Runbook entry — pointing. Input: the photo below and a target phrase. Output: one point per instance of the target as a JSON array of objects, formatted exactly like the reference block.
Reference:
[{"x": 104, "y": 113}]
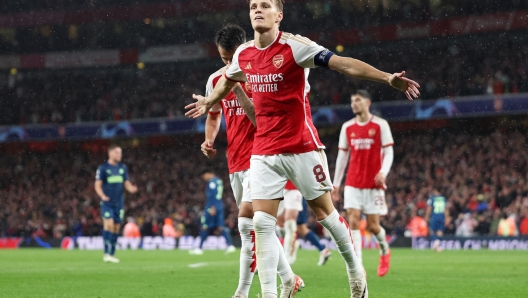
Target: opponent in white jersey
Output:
[
  {"x": 286, "y": 146},
  {"x": 368, "y": 140}
]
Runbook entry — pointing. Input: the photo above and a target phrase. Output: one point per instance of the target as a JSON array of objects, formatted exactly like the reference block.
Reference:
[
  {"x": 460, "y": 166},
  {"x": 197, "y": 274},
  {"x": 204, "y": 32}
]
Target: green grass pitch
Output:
[{"x": 57, "y": 273}]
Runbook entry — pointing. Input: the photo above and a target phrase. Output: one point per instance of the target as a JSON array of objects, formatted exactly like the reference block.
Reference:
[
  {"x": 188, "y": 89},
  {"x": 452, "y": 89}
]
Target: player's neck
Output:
[
  {"x": 364, "y": 117},
  {"x": 264, "y": 39},
  {"x": 111, "y": 162}
]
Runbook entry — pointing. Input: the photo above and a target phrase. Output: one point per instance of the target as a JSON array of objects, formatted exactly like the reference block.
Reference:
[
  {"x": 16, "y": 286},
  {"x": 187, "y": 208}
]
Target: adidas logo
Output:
[{"x": 249, "y": 66}]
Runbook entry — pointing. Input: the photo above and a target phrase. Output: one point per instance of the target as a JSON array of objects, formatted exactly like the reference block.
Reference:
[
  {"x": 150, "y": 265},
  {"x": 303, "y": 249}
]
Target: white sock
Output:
[
  {"x": 280, "y": 231},
  {"x": 382, "y": 241},
  {"x": 338, "y": 228},
  {"x": 248, "y": 258},
  {"x": 268, "y": 248},
  {"x": 283, "y": 268},
  {"x": 358, "y": 244},
  {"x": 290, "y": 226}
]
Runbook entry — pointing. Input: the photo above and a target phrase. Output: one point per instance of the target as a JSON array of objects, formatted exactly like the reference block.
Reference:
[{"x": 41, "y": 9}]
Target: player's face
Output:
[
  {"x": 226, "y": 56},
  {"x": 264, "y": 15},
  {"x": 115, "y": 154},
  {"x": 359, "y": 104}
]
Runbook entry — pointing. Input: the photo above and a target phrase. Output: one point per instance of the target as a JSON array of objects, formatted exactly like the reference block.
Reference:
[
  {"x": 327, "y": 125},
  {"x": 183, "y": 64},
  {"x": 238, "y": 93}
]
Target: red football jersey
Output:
[
  {"x": 290, "y": 186},
  {"x": 240, "y": 130},
  {"x": 278, "y": 77},
  {"x": 365, "y": 142}
]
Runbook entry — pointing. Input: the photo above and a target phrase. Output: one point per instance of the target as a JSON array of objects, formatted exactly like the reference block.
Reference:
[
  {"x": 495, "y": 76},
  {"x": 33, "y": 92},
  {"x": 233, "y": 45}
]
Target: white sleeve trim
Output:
[
  {"x": 304, "y": 50},
  {"x": 234, "y": 72},
  {"x": 341, "y": 163},
  {"x": 388, "y": 158}
]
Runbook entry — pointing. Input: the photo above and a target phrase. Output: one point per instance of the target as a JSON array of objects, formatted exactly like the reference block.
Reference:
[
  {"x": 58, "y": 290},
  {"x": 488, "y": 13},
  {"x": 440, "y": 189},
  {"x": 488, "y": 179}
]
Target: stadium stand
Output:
[
  {"x": 475, "y": 66},
  {"x": 483, "y": 175}
]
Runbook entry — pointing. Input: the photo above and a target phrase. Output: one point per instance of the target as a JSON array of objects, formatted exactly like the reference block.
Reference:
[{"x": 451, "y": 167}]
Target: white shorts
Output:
[
  {"x": 369, "y": 201},
  {"x": 240, "y": 186},
  {"x": 292, "y": 201},
  {"x": 308, "y": 171}
]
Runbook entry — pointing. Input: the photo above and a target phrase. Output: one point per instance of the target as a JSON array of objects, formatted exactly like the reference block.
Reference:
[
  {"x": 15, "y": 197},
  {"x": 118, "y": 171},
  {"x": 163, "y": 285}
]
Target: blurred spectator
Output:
[
  {"x": 169, "y": 230},
  {"x": 483, "y": 225},
  {"x": 417, "y": 225},
  {"x": 523, "y": 228},
  {"x": 507, "y": 226},
  {"x": 131, "y": 229},
  {"x": 465, "y": 225}
]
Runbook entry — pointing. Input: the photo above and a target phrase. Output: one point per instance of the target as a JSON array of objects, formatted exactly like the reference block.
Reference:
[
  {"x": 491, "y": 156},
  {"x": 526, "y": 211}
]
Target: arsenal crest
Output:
[
  {"x": 278, "y": 60},
  {"x": 248, "y": 87},
  {"x": 372, "y": 132}
]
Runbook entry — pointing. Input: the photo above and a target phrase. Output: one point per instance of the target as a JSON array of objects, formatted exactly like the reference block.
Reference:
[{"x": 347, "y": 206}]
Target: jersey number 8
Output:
[{"x": 319, "y": 173}]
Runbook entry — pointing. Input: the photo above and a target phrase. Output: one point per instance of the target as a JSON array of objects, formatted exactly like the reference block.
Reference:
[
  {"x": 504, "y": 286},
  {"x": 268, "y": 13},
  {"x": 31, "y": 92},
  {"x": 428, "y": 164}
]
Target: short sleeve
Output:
[
  {"x": 430, "y": 202},
  {"x": 343, "y": 140},
  {"x": 304, "y": 50},
  {"x": 234, "y": 72},
  {"x": 125, "y": 175},
  {"x": 211, "y": 82},
  {"x": 386, "y": 134},
  {"x": 99, "y": 173}
]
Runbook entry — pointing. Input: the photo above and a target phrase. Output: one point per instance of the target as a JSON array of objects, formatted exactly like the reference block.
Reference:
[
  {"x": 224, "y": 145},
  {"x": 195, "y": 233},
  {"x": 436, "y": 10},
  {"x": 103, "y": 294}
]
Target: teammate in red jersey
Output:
[
  {"x": 368, "y": 140},
  {"x": 240, "y": 134},
  {"x": 286, "y": 145}
]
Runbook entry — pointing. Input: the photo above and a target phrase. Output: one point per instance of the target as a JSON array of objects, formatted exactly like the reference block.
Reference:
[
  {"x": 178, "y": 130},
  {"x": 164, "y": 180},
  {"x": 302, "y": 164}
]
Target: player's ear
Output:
[{"x": 280, "y": 16}]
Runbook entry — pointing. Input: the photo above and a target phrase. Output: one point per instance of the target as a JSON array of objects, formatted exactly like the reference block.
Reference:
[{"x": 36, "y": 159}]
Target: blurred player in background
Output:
[
  {"x": 435, "y": 215},
  {"x": 289, "y": 209},
  {"x": 286, "y": 145},
  {"x": 213, "y": 217},
  {"x": 367, "y": 139},
  {"x": 110, "y": 181},
  {"x": 292, "y": 219},
  {"x": 240, "y": 133}
]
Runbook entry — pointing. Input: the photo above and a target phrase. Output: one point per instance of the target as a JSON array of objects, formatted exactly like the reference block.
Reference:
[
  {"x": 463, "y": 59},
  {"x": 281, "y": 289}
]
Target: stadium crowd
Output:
[
  {"x": 484, "y": 178},
  {"x": 188, "y": 28},
  {"x": 470, "y": 67}
]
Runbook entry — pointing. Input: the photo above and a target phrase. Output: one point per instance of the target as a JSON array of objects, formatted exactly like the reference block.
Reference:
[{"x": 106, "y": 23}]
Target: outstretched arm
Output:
[
  {"x": 361, "y": 70},
  {"x": 204, "y": 104},
  {"x": 246, "y": 103}
]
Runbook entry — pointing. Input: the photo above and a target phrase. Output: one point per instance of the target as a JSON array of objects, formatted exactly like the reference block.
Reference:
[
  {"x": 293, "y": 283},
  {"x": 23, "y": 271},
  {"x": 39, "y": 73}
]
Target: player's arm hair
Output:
[
  {"x": 246, "y": 103},
  {"x": 222, "y": 88},
  {"x": 341, "y": 163},
  {"x": 357, "y": 69},
  {"x": 99, "y": 188},
  {"x": 388, "y": 158},
  {"x": 212, "y": 126},
  {"x": 128, "y": 185}
]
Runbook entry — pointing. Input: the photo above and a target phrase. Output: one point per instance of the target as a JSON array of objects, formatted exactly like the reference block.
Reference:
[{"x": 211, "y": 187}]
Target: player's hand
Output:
[
  {"x": 207, "y": 149},
  {"x": 105, "y": 199},
  {"x": 379, "y": 179},
  {"x": 405, "y": 85},
  {"x": 198, "y": 108},
  {"x": 133, "y": 188},
  {"x": 212, "y": 211},
  {"x": 336, "y": 194}
]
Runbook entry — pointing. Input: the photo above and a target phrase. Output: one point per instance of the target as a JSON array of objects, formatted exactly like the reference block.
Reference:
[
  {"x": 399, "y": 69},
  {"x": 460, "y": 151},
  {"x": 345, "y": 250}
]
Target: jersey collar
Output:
[
  {"x": 276, "y": 38},
  {"x": 364, "y": 123}
]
